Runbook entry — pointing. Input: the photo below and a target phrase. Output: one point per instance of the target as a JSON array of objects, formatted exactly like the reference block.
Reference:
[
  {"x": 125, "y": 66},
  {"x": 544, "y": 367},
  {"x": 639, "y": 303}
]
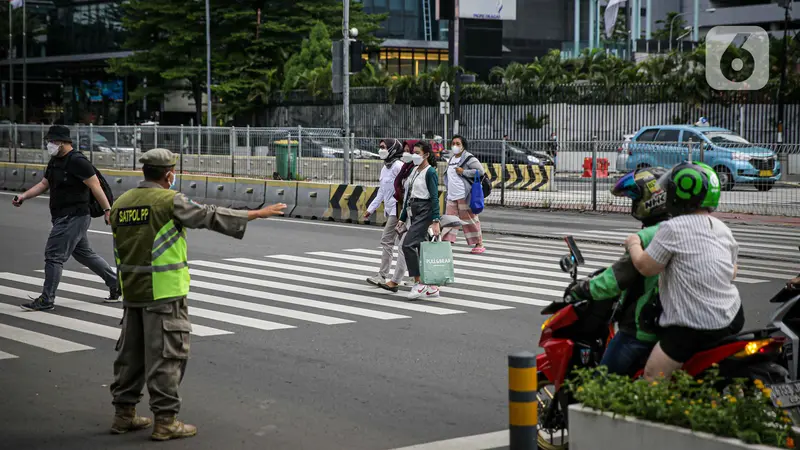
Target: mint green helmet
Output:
[{"x": 691, "y": 186}]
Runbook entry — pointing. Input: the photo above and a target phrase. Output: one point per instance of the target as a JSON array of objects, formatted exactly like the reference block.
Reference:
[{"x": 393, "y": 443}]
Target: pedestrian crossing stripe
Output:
[{"x": 317, "y": 288}]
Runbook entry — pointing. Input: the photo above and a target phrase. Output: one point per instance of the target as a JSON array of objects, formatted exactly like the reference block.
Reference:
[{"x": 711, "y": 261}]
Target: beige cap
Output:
[{"x": 160, "y": 157}]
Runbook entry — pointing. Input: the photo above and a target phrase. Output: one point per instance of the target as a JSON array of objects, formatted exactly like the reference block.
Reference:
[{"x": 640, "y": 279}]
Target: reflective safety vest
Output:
[{"x": 150, "y": 249}]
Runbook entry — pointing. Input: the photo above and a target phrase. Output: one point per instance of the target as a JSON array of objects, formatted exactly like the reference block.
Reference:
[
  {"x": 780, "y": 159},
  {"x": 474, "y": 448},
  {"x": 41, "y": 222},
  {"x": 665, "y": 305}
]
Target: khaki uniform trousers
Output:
[{"x": 153, "y": 349}]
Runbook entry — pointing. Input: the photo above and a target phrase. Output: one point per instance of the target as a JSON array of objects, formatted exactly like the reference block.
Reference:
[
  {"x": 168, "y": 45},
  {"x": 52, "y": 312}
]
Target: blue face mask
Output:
[{"x": 174, "y": 181}]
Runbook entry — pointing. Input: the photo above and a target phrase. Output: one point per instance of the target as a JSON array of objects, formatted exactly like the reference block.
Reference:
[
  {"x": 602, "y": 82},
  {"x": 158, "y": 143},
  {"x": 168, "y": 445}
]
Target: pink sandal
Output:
[{"x": 478, "y": 250}]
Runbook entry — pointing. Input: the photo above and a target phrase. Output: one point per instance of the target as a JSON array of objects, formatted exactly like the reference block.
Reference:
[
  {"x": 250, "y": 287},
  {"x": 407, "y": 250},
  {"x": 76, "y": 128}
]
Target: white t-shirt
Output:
[{"x": 456, "y": 189}]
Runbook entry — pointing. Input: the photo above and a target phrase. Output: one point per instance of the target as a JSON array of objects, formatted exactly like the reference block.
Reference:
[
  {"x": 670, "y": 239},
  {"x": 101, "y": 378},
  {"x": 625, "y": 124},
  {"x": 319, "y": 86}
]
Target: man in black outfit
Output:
[{"x": 71, "y": 179}]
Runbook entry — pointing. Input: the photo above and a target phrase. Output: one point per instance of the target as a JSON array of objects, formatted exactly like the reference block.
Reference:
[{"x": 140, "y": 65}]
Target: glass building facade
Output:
[{"x": 409, "y": 48}]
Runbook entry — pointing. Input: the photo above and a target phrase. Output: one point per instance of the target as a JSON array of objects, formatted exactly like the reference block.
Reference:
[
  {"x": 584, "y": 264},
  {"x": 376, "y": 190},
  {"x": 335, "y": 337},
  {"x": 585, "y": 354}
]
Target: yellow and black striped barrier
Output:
[
  {"x": 520, "y": 177},
  {"x": 522, "y": 402}
]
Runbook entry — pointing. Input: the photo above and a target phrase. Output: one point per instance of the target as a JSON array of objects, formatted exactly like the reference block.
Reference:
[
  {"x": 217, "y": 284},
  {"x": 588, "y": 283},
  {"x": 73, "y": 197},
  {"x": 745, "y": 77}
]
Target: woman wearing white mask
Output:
[
  {"x": 461, "y": 171},
  {"x": 390, "y": 151},
  {"x": 421, "y": 208}
]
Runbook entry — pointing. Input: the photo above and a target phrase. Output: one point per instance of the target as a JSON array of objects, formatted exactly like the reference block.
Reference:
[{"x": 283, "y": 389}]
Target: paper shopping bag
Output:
[{"x": 436, "y": 263}]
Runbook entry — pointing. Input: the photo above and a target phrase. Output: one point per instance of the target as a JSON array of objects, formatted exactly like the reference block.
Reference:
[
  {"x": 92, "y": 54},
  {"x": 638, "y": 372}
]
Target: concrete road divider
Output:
[
  {"x": 249, "y": 193},
  {"x": 121, "y": 181},
  {"x": 521, "y": 177},
  {"x": 283, "y": 192},
  {"x": 343, "y": 206},
  {"x": 220, "y": 191},
  {"x": 15, "y": 177},
  {"x": 33, "y": 175},
  {"x": 3, "y": 168},
  {"x": 313, "y": 200},
  {"x": 194, "y": 187}
]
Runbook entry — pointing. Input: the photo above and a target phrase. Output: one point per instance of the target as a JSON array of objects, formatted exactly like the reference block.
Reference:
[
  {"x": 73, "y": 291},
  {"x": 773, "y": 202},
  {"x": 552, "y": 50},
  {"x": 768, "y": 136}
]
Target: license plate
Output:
[
  {"x": 765, "y": 173},
  {"x": 788, "y": 394}
]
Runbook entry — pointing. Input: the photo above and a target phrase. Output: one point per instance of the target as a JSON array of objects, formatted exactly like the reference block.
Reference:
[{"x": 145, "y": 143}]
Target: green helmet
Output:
[{"x": 691, "y": 186}]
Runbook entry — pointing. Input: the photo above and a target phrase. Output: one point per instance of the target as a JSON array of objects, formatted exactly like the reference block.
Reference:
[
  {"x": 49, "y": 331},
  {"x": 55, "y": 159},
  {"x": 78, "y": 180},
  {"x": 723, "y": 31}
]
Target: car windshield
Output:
[{"x": 725, "y": 139}]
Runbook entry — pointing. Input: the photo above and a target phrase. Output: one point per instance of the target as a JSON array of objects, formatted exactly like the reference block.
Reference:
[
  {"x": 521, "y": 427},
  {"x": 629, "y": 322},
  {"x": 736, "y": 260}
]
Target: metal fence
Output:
[{"x": 757, "y": 178}]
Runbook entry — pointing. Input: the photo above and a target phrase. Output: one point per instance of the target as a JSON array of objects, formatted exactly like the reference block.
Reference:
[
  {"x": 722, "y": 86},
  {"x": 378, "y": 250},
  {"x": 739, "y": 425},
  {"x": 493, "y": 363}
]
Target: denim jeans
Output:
[
  {"x": 69, "y": 237},
  {"x": 626, "y": 355}
]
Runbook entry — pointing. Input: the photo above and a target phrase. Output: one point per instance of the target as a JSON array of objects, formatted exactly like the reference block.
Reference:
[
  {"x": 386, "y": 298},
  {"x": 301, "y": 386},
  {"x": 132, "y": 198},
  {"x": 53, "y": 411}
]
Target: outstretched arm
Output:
[{"x": 229, "y": 222}]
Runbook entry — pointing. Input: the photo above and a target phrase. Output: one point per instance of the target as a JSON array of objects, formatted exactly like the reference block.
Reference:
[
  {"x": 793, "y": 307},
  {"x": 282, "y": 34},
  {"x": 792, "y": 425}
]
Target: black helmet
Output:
[{"x": 649, "y": 198}]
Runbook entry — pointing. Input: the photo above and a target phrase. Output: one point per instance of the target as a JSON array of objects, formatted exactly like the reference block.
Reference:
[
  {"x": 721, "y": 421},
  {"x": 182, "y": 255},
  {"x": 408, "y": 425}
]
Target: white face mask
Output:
[
  {"x": 383, "y": 153},
  {"x": 406, "y": 158},
  {"x": 417, "y": 159},
  {"x": 53, "y": 148},
  {"x": 174, "y": 181},
  {"x": 457, "y": 149}
]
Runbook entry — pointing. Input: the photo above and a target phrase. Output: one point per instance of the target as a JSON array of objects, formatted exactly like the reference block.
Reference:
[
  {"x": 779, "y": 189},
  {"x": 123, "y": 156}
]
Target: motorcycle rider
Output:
[
  {"x": 698, "y": 256},
  {"x": 629, "y": 349}
]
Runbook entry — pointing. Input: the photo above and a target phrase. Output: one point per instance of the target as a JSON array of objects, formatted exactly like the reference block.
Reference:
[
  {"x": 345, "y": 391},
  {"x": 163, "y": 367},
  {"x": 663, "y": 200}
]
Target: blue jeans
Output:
[
  {"x": 626, "y": 355},
  {"x": 69, "y": 237}
]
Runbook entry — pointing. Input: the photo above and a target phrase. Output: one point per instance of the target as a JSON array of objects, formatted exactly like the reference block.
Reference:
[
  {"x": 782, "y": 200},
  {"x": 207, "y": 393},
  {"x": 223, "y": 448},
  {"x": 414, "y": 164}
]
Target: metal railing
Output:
[{"x": 756, "y": 178}]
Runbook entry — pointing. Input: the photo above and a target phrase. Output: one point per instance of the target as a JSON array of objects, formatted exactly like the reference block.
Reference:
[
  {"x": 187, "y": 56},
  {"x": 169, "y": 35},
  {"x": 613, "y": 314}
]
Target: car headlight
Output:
[
  {"x": 740, "y": 156},
  {"x": 533, "y": 160}
]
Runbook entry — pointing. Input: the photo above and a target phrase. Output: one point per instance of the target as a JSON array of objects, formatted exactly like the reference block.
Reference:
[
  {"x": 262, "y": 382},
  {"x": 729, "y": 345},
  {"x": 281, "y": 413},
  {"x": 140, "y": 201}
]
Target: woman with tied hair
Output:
[
  {"x": 390, "y": 151},
  {"x": 461, "y": 170},
  {"x": 421, "y": 209}
]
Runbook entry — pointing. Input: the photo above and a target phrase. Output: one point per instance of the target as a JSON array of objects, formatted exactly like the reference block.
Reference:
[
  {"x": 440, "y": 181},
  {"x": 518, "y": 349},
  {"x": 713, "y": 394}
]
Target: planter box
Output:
[{"x": 590, "y": 429}]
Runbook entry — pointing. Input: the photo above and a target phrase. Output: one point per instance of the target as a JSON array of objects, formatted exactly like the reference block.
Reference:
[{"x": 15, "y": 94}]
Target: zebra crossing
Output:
[
  {"x": 318, "y": 288},
  {"x": 757, "y": 242}
]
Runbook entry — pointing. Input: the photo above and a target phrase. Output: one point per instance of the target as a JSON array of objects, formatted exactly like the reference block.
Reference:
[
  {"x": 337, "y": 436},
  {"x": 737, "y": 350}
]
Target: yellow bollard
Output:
[{"x": 522, "y": 402}]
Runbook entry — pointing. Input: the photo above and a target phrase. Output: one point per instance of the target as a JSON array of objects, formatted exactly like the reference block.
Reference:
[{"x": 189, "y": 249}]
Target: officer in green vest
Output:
[{"x": 149, "y": 225}]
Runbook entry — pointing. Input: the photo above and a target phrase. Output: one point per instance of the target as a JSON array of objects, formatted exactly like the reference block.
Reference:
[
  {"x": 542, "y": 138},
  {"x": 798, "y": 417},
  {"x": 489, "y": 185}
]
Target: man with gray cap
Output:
[
  {"x": 71, "y": 179},
  {"x": 149, "y": 225}
]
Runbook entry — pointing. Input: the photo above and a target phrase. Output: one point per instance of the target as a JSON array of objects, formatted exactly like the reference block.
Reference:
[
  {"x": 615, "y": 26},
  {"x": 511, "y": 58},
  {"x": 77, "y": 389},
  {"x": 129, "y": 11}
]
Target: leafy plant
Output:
[{"x": 737, "y": 409}]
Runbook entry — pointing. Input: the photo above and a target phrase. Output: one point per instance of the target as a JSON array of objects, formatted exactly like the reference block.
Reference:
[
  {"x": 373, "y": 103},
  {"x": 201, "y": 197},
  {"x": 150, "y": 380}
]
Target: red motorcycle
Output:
[{"x": 577, "y": 333}]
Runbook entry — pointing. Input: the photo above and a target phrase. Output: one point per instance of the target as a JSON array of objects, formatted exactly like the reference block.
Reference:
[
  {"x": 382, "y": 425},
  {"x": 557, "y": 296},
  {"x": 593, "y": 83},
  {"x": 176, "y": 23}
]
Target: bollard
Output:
[{"x": 522, "y": 402}]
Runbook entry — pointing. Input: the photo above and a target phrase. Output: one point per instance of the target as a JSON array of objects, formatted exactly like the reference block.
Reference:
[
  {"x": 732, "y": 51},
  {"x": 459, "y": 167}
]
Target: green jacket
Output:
[{"x": 622, "y": 280}]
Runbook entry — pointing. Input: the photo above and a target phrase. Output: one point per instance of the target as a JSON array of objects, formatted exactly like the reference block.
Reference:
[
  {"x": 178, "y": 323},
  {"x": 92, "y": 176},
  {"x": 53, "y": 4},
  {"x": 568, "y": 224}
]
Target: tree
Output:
[
  {"x": 315, "y": 52},
  {"x": 677, "y": 26},
  {"x": 168, "y": 40}
]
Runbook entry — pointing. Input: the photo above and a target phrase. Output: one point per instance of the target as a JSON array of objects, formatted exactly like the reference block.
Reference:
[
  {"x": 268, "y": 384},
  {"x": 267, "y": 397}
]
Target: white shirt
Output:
[
  {"x": 419, "y": 188},
  {"x": 386, "y": 190},
  {"x": 456, "y": 189}
]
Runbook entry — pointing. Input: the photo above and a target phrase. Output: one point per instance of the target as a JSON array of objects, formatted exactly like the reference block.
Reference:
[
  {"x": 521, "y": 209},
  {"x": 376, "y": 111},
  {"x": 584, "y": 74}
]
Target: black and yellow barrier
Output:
[
  {"x": 521, "y": 177},
  {"x": 522, "y": 402},
  {"x": 349, "y": 203}
]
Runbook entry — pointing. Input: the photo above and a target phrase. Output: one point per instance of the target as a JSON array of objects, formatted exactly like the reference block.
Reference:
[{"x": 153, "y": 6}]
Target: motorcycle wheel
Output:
[{"x": 556, "y": 438}]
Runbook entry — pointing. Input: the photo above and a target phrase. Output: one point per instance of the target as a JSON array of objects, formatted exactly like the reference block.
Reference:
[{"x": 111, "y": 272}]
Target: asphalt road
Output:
[{"x": 375, "y": 382}]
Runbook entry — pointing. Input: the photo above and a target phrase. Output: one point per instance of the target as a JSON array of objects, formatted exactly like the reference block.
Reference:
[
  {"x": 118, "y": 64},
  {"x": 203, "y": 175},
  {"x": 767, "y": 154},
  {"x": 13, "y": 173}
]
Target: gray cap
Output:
[{"x": 160, "y": 157}]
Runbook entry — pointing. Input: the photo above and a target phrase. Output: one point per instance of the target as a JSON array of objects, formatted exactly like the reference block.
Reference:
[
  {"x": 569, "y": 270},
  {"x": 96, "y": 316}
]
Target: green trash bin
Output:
[{"x": 286, "y": 159}]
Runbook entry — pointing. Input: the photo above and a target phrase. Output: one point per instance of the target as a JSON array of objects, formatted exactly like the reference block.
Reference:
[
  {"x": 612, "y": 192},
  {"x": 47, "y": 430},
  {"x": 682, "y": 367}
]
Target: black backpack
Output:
[
  {"x": 95, "y": 210},
  {"x": 486, "y": 183}
]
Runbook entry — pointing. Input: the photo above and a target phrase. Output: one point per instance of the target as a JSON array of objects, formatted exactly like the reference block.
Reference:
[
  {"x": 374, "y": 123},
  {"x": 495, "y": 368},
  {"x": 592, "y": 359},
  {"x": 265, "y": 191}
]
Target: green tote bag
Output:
[{"x": 436, "y": 263}]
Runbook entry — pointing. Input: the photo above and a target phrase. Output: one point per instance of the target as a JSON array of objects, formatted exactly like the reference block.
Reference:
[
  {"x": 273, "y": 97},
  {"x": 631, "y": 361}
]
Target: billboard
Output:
[{"x": 488, "y": 9}]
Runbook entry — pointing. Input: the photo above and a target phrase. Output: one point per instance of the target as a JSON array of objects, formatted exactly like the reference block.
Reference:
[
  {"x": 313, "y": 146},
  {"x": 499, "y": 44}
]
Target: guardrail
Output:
[{"x": 758, "y": 178}]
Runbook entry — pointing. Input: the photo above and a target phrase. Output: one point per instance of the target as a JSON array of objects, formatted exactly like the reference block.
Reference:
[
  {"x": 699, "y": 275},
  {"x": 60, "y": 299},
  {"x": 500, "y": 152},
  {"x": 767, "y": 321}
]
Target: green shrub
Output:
[{"x": 739, "y": 409}]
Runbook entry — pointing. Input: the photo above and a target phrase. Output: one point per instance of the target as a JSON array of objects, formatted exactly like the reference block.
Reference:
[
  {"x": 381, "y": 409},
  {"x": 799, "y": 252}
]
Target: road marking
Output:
[
  {"x": 477, "y": 442},
  {"x": 286, "y": 299},
  {"x": 326, "y": 224},
  {"x": 88, "y": 307},
  {"x": 321, "y": 292},
  {"x": 350, "y": 276},
  {"x": 206, "y": 313},
  {"x": 55, "y": 320},
  {"x": 4, "y": 355},
  {"x": 476, "y": 265},
  {"x": 35, "y": 339}
]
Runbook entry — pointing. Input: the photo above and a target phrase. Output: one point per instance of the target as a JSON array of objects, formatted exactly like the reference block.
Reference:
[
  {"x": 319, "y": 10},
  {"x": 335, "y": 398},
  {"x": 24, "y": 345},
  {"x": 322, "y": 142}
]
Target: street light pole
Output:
[
  {"x": 346, "y": 89},
  {"x": 784, "y": 64},
  {"x": 671, "y": 24},
  {"x": 209, "y": 121}
]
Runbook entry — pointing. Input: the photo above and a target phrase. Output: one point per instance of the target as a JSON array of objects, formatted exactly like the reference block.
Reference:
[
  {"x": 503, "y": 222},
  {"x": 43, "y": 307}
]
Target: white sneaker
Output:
[
  {"x": 376, "y": 280},
  {"x": 421, "y": 290}
]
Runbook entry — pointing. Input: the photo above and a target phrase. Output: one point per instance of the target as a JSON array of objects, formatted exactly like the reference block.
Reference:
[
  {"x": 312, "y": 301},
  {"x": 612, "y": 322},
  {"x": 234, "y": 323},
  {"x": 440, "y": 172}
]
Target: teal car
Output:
[{"x": 736, "y": 160}]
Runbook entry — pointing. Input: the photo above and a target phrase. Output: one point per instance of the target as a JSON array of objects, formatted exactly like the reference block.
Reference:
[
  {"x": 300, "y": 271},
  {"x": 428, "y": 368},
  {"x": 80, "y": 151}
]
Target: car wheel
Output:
[
  {"x": 725, "y": 178},
  {"x": 765, "y": 186}
]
